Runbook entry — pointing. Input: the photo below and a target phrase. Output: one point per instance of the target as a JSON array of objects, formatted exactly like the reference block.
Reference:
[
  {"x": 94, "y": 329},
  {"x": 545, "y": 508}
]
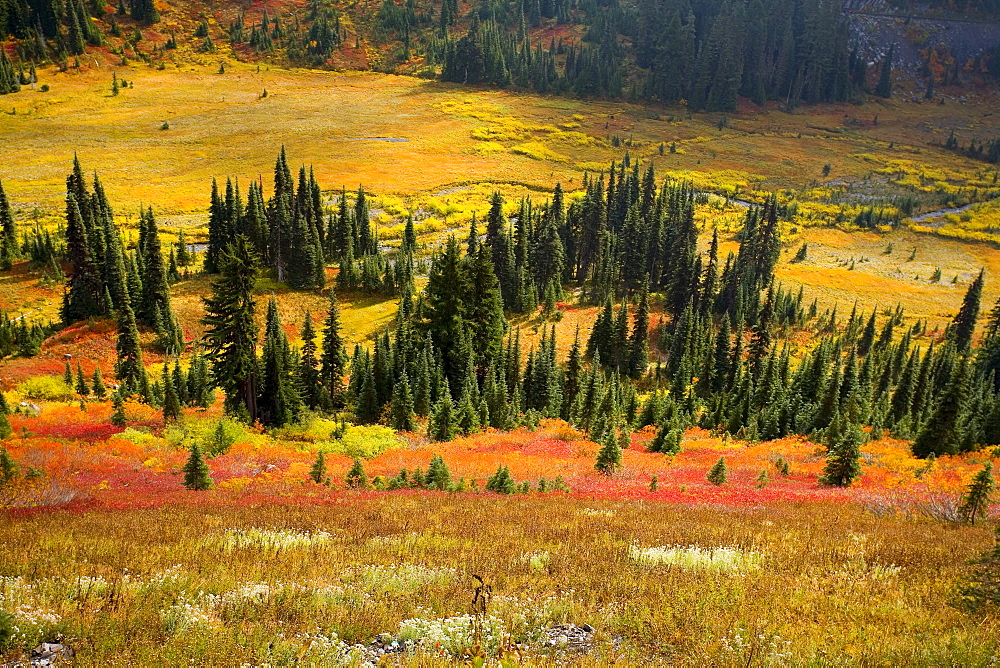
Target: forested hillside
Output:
[{"x": 706, "y": 53}]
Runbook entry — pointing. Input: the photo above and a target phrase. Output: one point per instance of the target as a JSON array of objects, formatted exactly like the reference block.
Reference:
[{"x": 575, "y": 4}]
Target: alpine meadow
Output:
[{"x": 499, "y": 333}]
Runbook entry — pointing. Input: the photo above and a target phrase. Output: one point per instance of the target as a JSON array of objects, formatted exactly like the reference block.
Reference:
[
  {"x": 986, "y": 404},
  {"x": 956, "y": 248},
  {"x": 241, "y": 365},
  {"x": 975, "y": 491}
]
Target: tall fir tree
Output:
[{"x": 231, "y": 332}]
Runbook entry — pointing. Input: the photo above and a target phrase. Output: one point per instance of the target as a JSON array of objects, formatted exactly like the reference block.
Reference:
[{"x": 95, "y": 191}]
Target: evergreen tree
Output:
[
  {"x": 402, "y": 405},
  {"x": 128, "y": 363},
  {"x": 501, "y": 481},
  {"x": 356, "y": 478},
  {"x": 171, "y": 402},
  {"x": 318, "y": 471},
  {"x": 438, "y": 477},
  {"x": 885, "y": 79},
  {"x": 334, "y": 357},
  {"x": 609, "y": 457},
  {"x": 196, "y": 473},
  {"x": 308, "y": 372},
  {"x": 81, "y": 382},
  {"x": 941, "y": 433},
  {"x": 842, "y": 460},
  {"x": 231, "y": 333},
  {"x": 638, "y": 347},
  {"x": 84, "y": 296},
  {"x": 964, "y": 324},
  {"x": 8, "y": 233},
  {"x": 442, "y": 425},
  {"x": 118, "y": 417},
  {"x": 278, "y": 400},
  {"x": 977, "y": 498},
  {"x": 719, "y": 472},
  {"x": 5, "y": 430}
]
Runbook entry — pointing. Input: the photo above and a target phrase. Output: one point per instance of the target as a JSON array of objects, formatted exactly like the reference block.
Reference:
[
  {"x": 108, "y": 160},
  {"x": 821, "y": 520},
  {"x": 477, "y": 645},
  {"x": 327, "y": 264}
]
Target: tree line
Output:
[{"x": 721, "y": 355}]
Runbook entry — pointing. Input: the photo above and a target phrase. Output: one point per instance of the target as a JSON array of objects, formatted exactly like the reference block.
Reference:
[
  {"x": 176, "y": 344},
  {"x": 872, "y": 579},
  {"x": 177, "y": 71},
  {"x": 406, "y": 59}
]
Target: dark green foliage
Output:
[
  {"x": 144, "y": 11},
  {"x": 231, "y": 333},
  {"x": 9, "y": 469},
  {"x": 609, "y": 457},
  {"x": 5, "y": 430},
  {"x": 964, "y": 324},
  {"x": 843, "y": 464},
  {"x": 437, "y": 477},
  {"x": 171, "y": 402},
  {"x": 402, "y": 406},
  {"x": 9, "y": 250},
  {"x": 884, "y": 88},
  {"x": 318, "y": 471},
  {"x": 278, "y": 400},
  {"x": 941, "y": 434},
  {"x": 501, "y": 482},
  {"x": 356, "y": 478},
  {"x": 334, "y": 357},
  {"x": 977, "y": 498},
  {"x": 128, "y": 362},
  {"x": 196, "y": 473},
  {"x": 117, "y": 410},
  {"x": 313, "y": 394},
  {"x": 442, "y": 425},
  {"x": 719, "y": 473}
]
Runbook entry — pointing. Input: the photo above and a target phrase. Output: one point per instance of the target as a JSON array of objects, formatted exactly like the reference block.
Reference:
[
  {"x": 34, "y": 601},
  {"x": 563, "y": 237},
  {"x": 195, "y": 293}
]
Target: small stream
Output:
[{"x": 937, "y": 214}]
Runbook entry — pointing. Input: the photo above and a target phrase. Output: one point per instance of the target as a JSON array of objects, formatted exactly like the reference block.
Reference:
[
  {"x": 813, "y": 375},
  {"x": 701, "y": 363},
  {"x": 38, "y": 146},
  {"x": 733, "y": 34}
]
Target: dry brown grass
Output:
[{"x": 835, "y": 584}]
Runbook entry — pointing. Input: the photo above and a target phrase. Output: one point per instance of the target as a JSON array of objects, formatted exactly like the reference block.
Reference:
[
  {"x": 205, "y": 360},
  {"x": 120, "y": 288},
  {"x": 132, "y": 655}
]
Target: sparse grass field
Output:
[{"x": 283, "y": 584}]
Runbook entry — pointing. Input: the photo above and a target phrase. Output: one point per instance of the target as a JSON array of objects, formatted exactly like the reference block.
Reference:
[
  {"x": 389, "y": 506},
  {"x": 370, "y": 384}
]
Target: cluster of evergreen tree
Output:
[
  {"x": 707, "y": 53},
  {"x": 105, "y": 279},
  {"x": 10, "y": 81},
  {"x": 307, "y": 40},
  {"x": 287, "y": 233},
  {"x": 276, "y": 386},
  {"x": 723, "y": 358},
  {"x": 988, "y": 151},
  {"x": 22, "y": 338}
]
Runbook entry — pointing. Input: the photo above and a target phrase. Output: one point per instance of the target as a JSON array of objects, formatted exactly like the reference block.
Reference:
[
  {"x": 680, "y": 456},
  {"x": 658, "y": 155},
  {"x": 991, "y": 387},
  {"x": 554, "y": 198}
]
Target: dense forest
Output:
[
  {"x": 707, "y": 53},
  {"x": 724, "y": 355}
]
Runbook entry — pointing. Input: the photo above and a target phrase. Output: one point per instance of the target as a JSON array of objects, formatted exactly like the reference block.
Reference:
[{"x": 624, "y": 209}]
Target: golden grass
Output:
[{"x": 224, "y": 586}]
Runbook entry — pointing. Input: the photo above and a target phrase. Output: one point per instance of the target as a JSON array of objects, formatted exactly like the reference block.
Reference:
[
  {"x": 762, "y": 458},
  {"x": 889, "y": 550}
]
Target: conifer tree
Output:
[
  {"x": 719, "y": 472},
  {"x": 885, "y": 78},
  {"x": 402, "y": 405},
  {"x": 128, "y": 362},
  {"x": 356, "y": 478},
  {"x": 445, "y": 309},
  {"x": 334, "y": 357},
  {"x": 8, "y": 233},
  {"x": 81, "y": 382},
  {"x": 964, "y": 324},
  {"x": 308, "y": 371},
  {"x": 941, "y": 433},
  {"x": 84, "y": 296},
  {"x": 196, "y": 473},
  {"x": 437, "y": 477},
  {"x": 442, "y": 425},
  {"x": 154, "y": 303},
  {"x": 118, "y": 417},
  {"x": 638, "y": 347},
  {"x": 318, "y": 471},
  {"x": 231, "y": 333},
  {"x": 5, "y": 430},
  {"x": 977, "y": 498},
  {"x": 171, "y": 402},
  {"x": 501, "y": 481},
  {"x": 609, "y": 457},
  {"x": 842, "y": 460},
  {"x": 278, "y": 400}
]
